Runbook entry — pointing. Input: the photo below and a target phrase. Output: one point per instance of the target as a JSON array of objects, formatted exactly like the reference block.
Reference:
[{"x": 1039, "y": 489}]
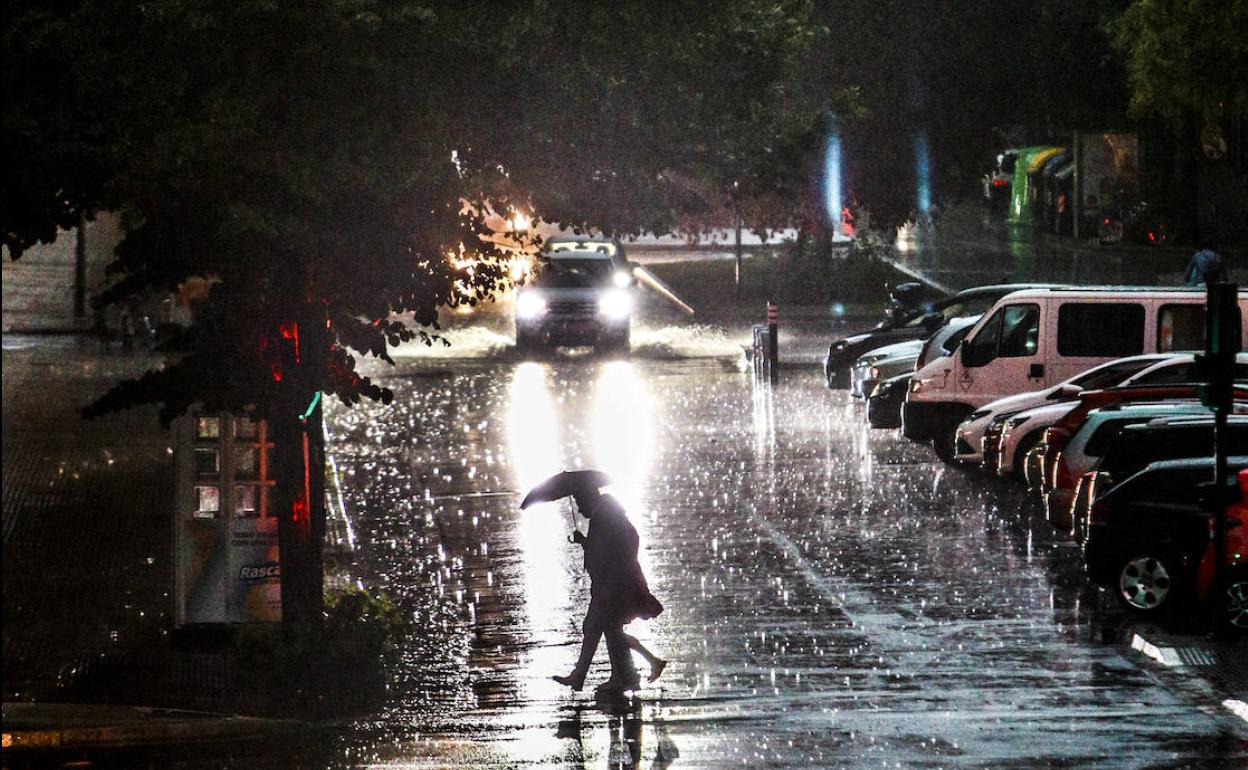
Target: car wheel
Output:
[
  {"x": 1019, "y": 461},
  {"x": 1147, "y": 581},
  {"x": 1234, "y": 609},
  {"x": 946, "y": 445}
]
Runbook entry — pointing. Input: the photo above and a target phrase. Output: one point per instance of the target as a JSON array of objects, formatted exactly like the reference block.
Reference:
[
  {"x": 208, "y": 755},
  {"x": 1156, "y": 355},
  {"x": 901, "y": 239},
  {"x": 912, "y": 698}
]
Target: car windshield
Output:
[
  {"x": 1110, "y": 374},
  {"x": 967, "y": 304},
  {"x": 574, "y": 274}
]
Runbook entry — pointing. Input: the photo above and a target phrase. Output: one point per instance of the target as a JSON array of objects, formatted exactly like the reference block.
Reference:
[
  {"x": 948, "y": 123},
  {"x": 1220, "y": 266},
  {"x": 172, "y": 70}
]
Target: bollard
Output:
[{"x": 773, "y": 342}]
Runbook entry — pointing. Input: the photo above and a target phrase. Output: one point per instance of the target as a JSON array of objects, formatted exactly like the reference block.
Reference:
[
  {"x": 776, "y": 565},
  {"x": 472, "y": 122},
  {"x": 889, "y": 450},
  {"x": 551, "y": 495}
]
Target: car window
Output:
[
  {"x": 1180, "y": 327},
  {"x": 1110, "y": 374},
  {"x": 982, "y": 348},
  {"x": 1100, "y": 329},
  {"x": 574, "y": 274},
  {"x": 1020, "y": 331},
  {"x": 1105, "y": 434},
  {"x": 956, "y": 338},
  {"x": 1184, "y": 372}
]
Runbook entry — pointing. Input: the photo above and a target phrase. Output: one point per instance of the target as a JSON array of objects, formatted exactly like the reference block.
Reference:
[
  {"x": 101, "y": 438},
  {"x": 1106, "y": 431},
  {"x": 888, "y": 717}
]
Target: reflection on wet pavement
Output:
[{"x": 833, "y": 597}]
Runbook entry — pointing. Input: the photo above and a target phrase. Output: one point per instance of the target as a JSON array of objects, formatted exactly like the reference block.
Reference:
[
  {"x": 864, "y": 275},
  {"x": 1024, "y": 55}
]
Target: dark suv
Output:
[{"x": 1147, "y": 535}]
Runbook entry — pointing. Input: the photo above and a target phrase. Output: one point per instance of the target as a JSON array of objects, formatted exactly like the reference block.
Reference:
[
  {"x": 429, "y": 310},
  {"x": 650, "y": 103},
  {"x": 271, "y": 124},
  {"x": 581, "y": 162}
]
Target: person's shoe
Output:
[
  {"x": 656, "y": 669},
  {"x": 573, "y": 680}
]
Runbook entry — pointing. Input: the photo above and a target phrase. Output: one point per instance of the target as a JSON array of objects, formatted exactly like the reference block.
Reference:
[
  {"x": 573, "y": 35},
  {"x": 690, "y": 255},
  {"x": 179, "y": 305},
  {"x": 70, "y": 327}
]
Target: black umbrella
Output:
[{"x": 563, "y": 484}]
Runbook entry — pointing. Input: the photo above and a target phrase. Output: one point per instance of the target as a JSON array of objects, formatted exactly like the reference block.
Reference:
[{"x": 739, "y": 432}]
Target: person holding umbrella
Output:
[{"x": 618, "y": 591}]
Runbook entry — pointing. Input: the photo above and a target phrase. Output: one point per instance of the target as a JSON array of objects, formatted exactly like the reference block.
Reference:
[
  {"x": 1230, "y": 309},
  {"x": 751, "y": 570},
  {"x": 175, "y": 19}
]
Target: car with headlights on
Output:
[{"x": 578, "y": 297}]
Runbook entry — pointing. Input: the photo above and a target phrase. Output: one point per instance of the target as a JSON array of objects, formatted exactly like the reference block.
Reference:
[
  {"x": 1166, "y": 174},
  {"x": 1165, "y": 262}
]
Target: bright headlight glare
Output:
[
  {"x": 616, "y": 304},
  {"x": 529, "y": 306},
  {"x": 622, "y": 278}
]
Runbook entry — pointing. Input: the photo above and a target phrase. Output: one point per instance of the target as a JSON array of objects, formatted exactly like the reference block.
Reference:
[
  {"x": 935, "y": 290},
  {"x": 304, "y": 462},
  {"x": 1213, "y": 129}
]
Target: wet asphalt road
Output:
[{"x": 834, "y": 598}]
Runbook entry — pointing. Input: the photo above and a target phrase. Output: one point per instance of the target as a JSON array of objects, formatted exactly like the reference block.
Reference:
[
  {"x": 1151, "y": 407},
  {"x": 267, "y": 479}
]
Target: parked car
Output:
[
  {"x": 1024, "y": 430},
  {"x": 581, "y": 295},
  {"x": 880, "y": 364},
  {"x": 923, "y": 323},
  {"x": 971, "y": 431},
  {"x": 1037, "y": 338},
  {"x": 1088, "y": 444},
  {"x": 1055, "y": 437},
  {"x": 1134, "y": 447},
  {"x": 1148, "y": 535},
  {"x": 884, "y": 404}
]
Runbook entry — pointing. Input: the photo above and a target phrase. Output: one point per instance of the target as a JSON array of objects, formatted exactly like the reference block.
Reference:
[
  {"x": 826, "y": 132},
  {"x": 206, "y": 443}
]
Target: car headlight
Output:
[
  {"x": 529, "y": 306},
  {"x": 622, "y": 278},
  {"x": 1001, "y": 419},
  {"x": 875, "y": 373},
  {"x": 1014, "y": 422},
  {"x": 615, "y": 304}
]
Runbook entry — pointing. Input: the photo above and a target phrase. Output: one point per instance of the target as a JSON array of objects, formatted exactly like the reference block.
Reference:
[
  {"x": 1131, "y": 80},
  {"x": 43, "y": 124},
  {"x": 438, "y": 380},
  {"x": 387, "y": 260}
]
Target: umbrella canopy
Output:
[{"x": 563, "y": 484}]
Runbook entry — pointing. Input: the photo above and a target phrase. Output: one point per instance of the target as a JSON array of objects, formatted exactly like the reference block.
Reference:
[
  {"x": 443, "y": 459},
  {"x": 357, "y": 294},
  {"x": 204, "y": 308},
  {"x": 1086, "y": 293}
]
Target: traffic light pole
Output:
[{"x": 1223, "y": 339}]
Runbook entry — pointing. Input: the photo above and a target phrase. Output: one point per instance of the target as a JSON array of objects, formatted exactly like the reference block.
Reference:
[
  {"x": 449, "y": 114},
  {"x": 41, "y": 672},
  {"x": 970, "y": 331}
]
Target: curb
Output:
[{"x": 45, "y": 727}]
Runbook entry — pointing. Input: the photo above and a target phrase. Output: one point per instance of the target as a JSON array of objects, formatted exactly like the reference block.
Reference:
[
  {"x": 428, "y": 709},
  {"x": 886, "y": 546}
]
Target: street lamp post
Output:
[{"x": 736, "y": 215}]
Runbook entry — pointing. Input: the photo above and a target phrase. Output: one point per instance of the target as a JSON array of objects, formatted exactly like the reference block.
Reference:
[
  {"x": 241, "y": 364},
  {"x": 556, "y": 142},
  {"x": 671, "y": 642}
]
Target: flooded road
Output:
[{"x": 834, "y": 598}]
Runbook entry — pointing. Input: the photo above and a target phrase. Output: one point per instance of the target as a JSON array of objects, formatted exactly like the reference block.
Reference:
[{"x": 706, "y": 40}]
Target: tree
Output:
[
  {"x": 331, "y": 163},
  {"x": 1185, "y": 56}
]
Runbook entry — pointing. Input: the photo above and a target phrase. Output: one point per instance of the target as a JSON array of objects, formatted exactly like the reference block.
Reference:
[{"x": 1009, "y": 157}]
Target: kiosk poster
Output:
[{"x": 228, "y": 567}]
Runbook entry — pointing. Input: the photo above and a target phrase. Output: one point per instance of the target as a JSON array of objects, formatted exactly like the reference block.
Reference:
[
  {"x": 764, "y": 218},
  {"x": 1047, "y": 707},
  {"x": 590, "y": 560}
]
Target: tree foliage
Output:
[
  {"x": 1185, "y": 56},
  {"x": 326, "y": 160}
]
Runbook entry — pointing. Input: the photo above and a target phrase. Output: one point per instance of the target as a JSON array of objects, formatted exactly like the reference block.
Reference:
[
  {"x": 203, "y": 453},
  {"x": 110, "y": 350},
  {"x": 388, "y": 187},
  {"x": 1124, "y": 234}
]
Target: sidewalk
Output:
[{"x": 87, "y": 517}]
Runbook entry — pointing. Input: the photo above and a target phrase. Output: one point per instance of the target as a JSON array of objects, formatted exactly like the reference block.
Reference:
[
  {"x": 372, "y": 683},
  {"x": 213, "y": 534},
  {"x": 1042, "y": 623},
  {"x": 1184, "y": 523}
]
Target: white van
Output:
[{"x": 1036, "y": 338}]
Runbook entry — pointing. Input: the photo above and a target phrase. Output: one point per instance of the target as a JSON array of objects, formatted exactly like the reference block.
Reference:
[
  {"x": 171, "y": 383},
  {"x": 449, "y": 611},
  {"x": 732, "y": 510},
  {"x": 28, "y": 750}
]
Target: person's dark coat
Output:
[{"x": 617, "y": 584}]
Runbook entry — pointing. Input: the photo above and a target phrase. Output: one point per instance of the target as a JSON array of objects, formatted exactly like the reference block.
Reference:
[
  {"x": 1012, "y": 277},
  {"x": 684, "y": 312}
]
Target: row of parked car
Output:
[{"x": 1089, "y": 396}]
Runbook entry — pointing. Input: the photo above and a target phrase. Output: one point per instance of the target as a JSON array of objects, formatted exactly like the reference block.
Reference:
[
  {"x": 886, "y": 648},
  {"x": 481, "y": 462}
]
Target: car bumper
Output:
[
  {"x": 572, "y": 331},
  {"x": 923, "y": 420},
  {"x": 884, "y": 411}
]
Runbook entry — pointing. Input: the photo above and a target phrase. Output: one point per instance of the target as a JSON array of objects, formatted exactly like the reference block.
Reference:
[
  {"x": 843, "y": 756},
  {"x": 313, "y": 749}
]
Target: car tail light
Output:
[{"x": 1000, "y": 182}]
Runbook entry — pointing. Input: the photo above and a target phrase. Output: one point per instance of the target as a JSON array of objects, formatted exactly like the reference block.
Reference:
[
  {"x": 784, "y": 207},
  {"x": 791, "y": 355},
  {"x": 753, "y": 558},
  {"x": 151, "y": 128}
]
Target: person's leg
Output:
[
  {"x": 657, "y": 664},
  {"x": 623, "y": 673},
  {"x": 591, "y": 631}
]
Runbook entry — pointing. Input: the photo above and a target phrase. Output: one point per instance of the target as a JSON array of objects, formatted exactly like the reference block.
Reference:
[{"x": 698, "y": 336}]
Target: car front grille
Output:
[{"x": 579, "y": 308}]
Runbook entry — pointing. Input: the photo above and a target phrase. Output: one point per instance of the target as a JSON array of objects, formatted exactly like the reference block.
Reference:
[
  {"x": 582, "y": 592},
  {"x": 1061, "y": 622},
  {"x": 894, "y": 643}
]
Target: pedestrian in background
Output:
[{"x": 1206, "y": 267}]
